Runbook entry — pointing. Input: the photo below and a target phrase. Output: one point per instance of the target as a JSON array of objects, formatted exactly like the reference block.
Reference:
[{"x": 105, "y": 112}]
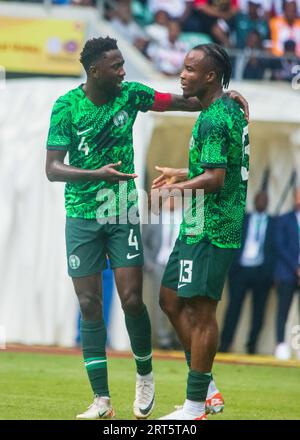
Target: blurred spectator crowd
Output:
[{"x": 261, "y": 36}]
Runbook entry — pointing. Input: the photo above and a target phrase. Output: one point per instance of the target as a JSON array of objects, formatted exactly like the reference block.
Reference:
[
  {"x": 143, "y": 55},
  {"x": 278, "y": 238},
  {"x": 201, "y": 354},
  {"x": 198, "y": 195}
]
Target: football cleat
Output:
[
  {"x": 214, "y": 403},
  {"x": 144, "y": 397},
  {"x": 100, "y": 409},
  {"x": 181, "y": 414},
  {"x": 282, "y": 351}
]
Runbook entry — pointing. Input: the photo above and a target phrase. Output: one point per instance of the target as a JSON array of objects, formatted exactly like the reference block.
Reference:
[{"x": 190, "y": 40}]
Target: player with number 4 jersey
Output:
[{"x": 93, "y": 125}]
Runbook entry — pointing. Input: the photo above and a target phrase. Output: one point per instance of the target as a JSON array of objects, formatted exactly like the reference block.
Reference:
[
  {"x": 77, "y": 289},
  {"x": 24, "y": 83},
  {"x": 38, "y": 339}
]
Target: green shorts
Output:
[
  {"x": 198, "y": 269},
  {"x": 89, "y": 243}
]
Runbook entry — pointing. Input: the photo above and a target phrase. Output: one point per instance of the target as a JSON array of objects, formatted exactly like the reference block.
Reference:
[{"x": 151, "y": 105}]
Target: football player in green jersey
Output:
[
  {"x": 195, "y": 274},
  {"x": 93, "y": 124}
]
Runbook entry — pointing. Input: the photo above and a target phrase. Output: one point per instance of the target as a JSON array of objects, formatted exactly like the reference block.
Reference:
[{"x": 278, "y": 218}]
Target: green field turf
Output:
[{"x": 43, "y": 386}]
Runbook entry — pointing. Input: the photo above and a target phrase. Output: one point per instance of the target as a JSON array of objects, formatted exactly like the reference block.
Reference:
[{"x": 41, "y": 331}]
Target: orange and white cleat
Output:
[
  {"x": 202, "y": 417},
  {"x": 181, "y": 414},
  {"x": 214, "y": 403}
]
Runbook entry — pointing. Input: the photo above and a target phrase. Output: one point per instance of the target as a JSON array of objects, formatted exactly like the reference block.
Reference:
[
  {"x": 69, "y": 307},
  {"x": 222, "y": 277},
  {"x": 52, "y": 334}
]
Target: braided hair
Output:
[
  {"x": 95, "y": 49},
  {"x": 219, "y": 59}
]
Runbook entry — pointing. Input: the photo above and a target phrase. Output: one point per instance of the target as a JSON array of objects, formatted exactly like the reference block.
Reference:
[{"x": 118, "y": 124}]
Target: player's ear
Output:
[
  {"x": 211, "y": 76},
  {"x": 93, "y": 71}
]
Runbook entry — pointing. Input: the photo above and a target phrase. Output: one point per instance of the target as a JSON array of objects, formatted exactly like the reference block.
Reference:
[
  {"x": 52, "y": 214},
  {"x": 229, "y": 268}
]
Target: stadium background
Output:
[{"x": 38, "y": 305}]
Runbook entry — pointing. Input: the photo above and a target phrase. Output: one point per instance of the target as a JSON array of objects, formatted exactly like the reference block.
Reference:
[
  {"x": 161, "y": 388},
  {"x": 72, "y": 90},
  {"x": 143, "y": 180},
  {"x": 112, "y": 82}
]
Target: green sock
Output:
[
  {"x": 139, "y": 331},
  {"x": 93, "y": 339},
  {"x": 197, "y": 385},
  {"x": 188, "y": 361},
  {"x": 188, "y": 358}
]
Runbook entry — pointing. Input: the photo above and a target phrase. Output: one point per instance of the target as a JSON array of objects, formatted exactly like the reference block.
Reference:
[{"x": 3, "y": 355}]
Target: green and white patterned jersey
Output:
[
  {"x": 219, "y": 140},
  {"x": 95, "y": 136}
]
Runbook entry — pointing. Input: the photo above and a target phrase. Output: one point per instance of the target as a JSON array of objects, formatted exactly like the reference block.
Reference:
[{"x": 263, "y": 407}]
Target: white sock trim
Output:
[
  {"x": 148, "y": 376},
  {"x": 193, "y": 407}
]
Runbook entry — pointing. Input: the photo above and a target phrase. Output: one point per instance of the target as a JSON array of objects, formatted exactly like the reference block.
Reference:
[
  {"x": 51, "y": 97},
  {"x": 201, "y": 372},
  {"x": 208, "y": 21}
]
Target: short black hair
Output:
[
  {"x": 95, "y": 49},
  {"x": 289, "y": 46},
  {"x": 220, "y": 60}
]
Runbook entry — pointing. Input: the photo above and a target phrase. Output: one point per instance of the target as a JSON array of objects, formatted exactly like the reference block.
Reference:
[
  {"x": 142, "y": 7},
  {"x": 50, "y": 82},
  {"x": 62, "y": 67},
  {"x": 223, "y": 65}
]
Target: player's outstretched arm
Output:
[
  {"x": 212, "y": 180},
  {"x": 172, "y": 102},
  {"x": 179, "y": 103},
  {"x": 58, "y": 171},
  {"x": 169, "y": 176}
]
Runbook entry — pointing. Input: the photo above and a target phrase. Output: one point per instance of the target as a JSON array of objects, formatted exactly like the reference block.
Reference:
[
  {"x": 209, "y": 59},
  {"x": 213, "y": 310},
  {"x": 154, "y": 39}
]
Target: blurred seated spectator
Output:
[
  {"x": 266, "y": 8},
  {"x": 213, "y": 17},
  {"x": 255, "y": 64},
  {"x": 286, "y": 27},
  {"x": 178, "y": 9},
  {"x": 158, "y": 30},
  {"x": 282, "y": 67},
  {"x": 122, "y": 21},
  {"x": 168, "y": 55},
  {"x": 251, "y": 21},
  {"x": 276, "y": 7}
]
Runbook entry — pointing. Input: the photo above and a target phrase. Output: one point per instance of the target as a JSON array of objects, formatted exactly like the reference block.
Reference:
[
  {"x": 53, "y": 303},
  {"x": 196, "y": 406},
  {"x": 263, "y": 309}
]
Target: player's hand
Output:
[
  {"x": 168, "y": 177},
  {"x": 237, "y": 97},
  {"x": 110, "y": 174}
]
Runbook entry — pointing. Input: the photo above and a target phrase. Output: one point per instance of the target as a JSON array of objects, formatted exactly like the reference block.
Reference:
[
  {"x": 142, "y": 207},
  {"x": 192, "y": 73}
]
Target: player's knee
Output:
[
  {"x": 90, "y": 305},
  {"x": 167, "y": 304},
  {"x": 132, "y": 302}
]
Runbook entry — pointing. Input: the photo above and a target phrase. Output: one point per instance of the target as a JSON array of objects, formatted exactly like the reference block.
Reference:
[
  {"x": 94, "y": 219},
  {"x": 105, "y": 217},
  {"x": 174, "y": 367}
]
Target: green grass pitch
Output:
[{"x": 44, "y": 386}]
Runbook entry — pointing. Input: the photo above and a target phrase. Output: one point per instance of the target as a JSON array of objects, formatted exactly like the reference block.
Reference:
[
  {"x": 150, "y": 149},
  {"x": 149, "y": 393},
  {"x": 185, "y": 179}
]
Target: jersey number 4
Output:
[
  {"x": 83, "y": 146},
  {"x": 132, "y": 240}
]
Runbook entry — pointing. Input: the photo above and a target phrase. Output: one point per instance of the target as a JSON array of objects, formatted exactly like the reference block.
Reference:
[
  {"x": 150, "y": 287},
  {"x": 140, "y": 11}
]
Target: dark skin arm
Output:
[
  {"x": 57, "y": 171},
  {"x": 193, "y": 104},
  {"x": 169, "y": 176},
  {"x": 212, "y": 180}
]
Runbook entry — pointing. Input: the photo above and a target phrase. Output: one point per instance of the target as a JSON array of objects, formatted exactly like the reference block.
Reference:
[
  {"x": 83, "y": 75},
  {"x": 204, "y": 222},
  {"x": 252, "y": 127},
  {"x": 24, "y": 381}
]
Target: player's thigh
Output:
[
  {"x": 201, "y": 310},
  {"x": 86, "y": 253},
  {"x": 124, "y": 245},
  {"x": 129, "y": 282},
  {"x": 170, "y": 302},
  {"x": 88, "y": 286},
  {"x": 203, "y": 269}
]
